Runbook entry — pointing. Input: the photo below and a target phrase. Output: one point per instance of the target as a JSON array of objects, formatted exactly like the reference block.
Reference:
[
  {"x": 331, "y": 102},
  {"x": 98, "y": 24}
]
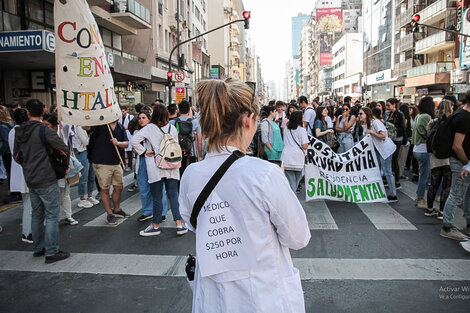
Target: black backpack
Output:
[
  {"x": 440, "y": 138},
  {"x": 185, "y": 135},
  {"x": 58, "y": 158}
]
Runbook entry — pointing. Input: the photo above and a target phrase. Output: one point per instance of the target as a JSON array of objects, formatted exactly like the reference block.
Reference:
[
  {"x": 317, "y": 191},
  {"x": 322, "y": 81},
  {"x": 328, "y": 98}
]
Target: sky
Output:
[{"x": 270, "y": 32}]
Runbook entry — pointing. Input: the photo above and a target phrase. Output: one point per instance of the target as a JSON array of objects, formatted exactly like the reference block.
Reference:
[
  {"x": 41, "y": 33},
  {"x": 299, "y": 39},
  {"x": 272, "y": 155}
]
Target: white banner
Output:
[
  {"x": 85, "y": 87},
  {"x": 353, "y": 176}
]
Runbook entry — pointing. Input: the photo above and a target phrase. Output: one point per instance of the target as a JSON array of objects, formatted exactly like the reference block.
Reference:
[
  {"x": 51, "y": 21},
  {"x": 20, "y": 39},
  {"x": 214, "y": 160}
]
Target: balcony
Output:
[
  {"x": 404, "y": 18},
  {"x": 398, "y": 2},
  {"x": 100, "y": 2},
  {"x": 400, "y": 69},
  {"x": 404, "y": 43},
  {"x": 431, "y": 68},
  {"x": 132, "y": 13},
  {"x": 436, "y": 11},
  {"x": 434, "y": 43}
]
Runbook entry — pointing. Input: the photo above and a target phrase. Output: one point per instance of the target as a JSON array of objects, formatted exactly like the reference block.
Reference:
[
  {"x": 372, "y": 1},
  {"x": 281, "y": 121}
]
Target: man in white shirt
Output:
[{"x": 309, "y": 114}]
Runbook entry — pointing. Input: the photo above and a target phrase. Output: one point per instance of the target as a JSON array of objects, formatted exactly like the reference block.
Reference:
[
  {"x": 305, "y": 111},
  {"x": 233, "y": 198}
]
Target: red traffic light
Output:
[
  {"x": 246, "y": 14},
  {"x": 169, "y": 74},
  {"x": 416, "y": 18}
]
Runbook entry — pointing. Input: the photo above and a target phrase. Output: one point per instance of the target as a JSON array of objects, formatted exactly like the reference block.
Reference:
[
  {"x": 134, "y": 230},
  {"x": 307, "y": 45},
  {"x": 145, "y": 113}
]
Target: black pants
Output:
[
  {"x": 438, "y": 174},
  {"x": 186, "y": 160},
  {"x": 395, "y": 167},
  {"x": 411, "y": 162}
]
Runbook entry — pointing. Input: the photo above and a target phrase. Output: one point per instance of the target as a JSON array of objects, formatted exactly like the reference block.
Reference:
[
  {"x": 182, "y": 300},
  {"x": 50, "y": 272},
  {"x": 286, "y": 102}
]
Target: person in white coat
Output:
[
  {"x": 17, "y": 182},
  {"x": 250, "y": 220},
  {"x": 153, "y": 134}
]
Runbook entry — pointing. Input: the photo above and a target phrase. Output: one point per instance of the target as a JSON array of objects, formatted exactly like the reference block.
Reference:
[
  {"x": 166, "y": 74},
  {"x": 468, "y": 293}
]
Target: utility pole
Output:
[{"x": 191, "y": 39}]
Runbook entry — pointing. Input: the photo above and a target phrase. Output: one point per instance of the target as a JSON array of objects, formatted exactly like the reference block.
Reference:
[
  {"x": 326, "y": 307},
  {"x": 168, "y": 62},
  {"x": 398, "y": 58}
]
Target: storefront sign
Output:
[
  {"x": 27, "y": 40},
  {"x": 353, "y": 176},
  {"x": 465, "y": 41},
  {"x": 380, "y": 77},
  {"x": 458, "y": 77},
  {"x": 85, "y": 87},
  {"x": 214, "y": 73}
]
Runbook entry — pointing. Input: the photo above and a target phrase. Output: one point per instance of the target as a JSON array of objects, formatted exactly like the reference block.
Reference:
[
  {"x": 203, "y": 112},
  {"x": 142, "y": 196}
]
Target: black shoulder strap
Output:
[{"x": 211, "y": 185}]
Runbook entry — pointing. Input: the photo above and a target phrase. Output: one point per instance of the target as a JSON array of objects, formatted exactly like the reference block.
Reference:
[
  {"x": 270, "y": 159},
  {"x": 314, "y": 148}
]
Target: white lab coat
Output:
[
  {"x": 127, "y": 119},
  {"x": 275, "y": 221},
  {"x": 17, "y": 182},
  {"x": 152, "y": 134}
]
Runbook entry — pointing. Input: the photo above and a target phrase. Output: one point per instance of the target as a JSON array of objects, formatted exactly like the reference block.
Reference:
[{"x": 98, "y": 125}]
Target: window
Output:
[
  {"x": 10, "y": 6},
  {"x": 107, "y": 37},
  {"x": 117, "y": 41}
]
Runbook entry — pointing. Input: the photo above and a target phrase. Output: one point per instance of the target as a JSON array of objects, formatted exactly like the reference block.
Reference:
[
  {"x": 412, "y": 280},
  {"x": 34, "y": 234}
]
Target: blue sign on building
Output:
[{"x": 28, "y": 40}]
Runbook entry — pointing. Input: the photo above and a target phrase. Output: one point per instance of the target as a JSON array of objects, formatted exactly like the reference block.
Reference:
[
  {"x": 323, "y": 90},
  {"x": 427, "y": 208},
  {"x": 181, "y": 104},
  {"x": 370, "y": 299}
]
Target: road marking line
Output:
[
  {"x": 384, "y": 217},
  {"x": 127, "y": 206},
  {"x": 310, "y": 268},
  {"x": 318, "y": 215}
]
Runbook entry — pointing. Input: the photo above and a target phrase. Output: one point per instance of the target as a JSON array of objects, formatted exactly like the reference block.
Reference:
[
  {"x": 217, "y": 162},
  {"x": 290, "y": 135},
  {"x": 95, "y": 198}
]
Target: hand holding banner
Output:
[{"x": 85, "y": 87}]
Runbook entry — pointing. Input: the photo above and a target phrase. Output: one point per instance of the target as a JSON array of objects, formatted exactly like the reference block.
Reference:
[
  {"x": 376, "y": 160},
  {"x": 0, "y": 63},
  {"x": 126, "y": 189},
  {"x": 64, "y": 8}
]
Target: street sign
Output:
[
  {"x": 180, "y": 94},
  {"x": 179, "y": 76}
]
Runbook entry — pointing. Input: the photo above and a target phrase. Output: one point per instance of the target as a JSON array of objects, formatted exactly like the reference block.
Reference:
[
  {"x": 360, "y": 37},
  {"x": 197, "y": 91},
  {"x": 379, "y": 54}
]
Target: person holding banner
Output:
[
  {"x": 248, "y": 229},
  {"x": 372, "y": 124},
  {"x": 295, "y": 144},
  {"x": 344, "y": 127},
  {"x": 271, "y": 134}
]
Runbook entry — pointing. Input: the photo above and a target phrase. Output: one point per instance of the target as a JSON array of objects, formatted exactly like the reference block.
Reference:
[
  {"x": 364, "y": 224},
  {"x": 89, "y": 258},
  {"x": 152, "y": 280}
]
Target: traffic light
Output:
[
  {"x": 246, "y": 16},
  {"x": 414, "y": 23},
  {"x": 169, "y": 78}
]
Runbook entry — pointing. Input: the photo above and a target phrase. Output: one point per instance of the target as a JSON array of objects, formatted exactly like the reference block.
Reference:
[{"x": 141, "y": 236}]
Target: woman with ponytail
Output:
[{"x": 249, "y": 221}]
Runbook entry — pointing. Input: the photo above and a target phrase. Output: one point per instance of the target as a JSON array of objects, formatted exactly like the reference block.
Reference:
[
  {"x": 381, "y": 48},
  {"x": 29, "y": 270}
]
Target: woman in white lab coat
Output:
[{"x": 249, "y": 221}]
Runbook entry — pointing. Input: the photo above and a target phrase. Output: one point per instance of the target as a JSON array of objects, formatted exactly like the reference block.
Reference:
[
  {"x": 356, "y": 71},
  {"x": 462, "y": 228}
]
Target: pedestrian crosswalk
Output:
[
  {"x": 310, "y": 268},
  {"x": 381, "y": 215}
]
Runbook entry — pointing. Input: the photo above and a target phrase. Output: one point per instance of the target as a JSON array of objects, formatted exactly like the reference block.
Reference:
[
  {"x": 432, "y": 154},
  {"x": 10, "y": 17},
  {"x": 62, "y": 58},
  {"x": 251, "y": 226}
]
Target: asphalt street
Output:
[{"x": 361, "y": 258}]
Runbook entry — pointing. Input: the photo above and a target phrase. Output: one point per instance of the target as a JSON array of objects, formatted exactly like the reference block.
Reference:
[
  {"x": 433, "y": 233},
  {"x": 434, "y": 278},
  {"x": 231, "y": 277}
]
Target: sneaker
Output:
[
  {"x": 71, "y": 221},
  {"x": 397, "y": 186},
  {"x": 150, "y": 231},
  {"x": 132, "y": 188},
  {"x": 59, "y": 256},
  {"x": 430, "y": 212},
  {"x": 121, "y": 214},
  {"x": 181, "y": 230},
  {"x": 111, "y": 220},
  {"x": 421, "y": 204},
  {"x": 144, "y": 217},
  {"x": 27, "y": 239},
  {"x": 466, "y": 245},
  {"x": 84, "y": 204},
  {"x": 39, "y": 253},
  {"x": 403, "y": 178},
  {"x": 453, "y": 233},
  {"x": 92, "y": 200},
  {"x": 440, "y": 216},
  {"x": 392, "y": 198},
  {"x": 13, "y": 198}
]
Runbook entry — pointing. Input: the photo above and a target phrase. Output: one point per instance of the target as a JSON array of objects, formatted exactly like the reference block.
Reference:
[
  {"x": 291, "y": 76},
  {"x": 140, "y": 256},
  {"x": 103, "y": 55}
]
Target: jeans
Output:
[
  {"x": 293, "y": 177},
  {"x": 395, "y": 165},
  {"x": 423, "y": 163},
  {"x": 144, "y": 189},
  {"x": 458, "y": 191},
  {"x": 157, "y": 194},
  {"x": 27, "y": 214},
  {"x": 438, "y": 175},
  {"x": 66, "y": 201},
  {"x": 88, "y": 174},
  {"x": 386, "y": 165},
  {"x": 45, "y": 203},
  {"x": 346, "y": 142}
]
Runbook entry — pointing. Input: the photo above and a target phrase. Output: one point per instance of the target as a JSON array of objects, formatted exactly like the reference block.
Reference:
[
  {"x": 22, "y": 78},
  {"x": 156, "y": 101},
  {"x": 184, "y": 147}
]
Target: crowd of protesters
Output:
[{"x": 398, "y": 130}]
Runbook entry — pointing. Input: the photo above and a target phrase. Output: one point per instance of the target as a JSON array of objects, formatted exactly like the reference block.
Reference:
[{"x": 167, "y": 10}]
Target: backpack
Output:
[
  {"x": 442, "y": 139},
  {"x": 58, "y": 158},
  {"x": 432, "y": 133},
  {"x": 169, "y": 155},
  {"x": 391, "y": 130},
  {"x": 185, "y": 135}
]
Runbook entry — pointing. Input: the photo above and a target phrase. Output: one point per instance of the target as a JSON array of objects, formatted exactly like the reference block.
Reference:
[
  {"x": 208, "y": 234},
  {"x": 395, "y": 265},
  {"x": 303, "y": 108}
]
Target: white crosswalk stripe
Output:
[
  {"x": 384, "y": 217},
  {"x": 318, "y": 215},
  {"x": 310, "y": 268}
]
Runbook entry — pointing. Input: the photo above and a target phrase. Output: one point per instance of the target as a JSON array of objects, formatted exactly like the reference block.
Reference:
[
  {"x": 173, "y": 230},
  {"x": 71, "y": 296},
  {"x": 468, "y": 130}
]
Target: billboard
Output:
[
  {"x": 465, "y": 41},
  {"x": 329, "y": 19},
  {"x": 326, "y": 57}
]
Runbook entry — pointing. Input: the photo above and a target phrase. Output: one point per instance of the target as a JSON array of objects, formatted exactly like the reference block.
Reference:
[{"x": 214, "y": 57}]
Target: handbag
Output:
[
  {"x": 206, "y": 191},
  {"x": 58, "y": 158},
  {"x": 332, "y": 141}
]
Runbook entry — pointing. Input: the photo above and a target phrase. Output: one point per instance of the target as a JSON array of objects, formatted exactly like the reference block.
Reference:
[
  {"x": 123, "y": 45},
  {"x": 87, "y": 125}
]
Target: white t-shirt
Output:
[
  {"x": 384, "y": 147},
  {"x": 309, "y": 117},
  {"x": 293, "y": 155},
  {"x": 329, "y": 122}
]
